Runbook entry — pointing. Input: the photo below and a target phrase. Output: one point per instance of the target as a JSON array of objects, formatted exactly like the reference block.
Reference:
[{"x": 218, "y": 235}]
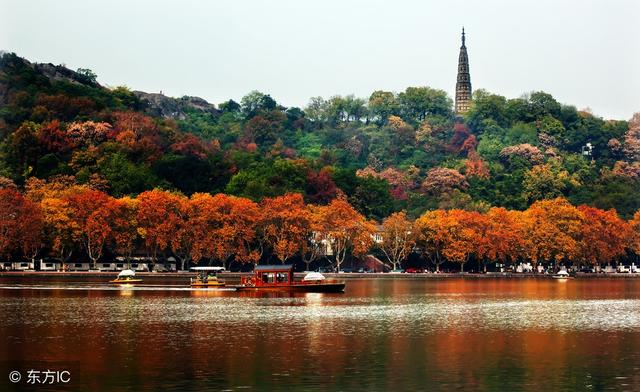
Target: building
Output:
[{"x": 463, "y": 84}]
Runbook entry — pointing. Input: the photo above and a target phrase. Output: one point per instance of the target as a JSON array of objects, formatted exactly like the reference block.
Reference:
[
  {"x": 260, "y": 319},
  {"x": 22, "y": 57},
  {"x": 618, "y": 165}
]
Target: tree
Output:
[
  {"x": 287, "y": 223},
  {"x": 603, "y": 235},
  {"x": 397, "y": 238},
  {"x": 124, "y": 226},
  {"x": 522, "y": 153},
  {"x": 463, "y": 235},
  {"x": 320, "y": 187},
  {"x": 486, "y": 106},
  {"x": 345, "y": 230},
  {"x": 382, "y": 104},
  {"x": 21, "y": 224},
  {"x": 225, "y": 226},
  {"x": 60, "y": 229},
  {"x": 91, "y": 212},
  {"x": 442, "y": 180},
  {"x": 431, "y": 232},
  {"x": 255, "y": 102},
  {"x": 632, "y": 139},
  {"x": 635, "y": 233},
  {"x": 88, "y": 133},
  {"x": 551, "y": 231},
  {"x": 416, "y": 103},
  {"x": 502, "y": 240},
  {"x": 159, "y": 219},
  {"x": 87, "y": 75},
  {"x": 546, "y": 182},
  {"x": 23, "y": 149},
  {"x": 314, "y": 245}
]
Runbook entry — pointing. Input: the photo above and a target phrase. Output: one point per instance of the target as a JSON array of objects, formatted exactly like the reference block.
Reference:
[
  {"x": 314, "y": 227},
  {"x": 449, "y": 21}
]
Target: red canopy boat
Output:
[{"x": 280, "y": 278}]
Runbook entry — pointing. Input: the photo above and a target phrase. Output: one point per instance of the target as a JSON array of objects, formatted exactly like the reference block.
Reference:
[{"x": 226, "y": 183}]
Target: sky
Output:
[{"x": 584, "y": 52}]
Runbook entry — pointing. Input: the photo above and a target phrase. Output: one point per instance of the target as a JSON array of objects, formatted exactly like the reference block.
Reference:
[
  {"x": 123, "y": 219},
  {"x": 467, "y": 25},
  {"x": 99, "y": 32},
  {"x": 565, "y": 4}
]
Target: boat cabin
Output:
[{"x": 273, "y": 275}]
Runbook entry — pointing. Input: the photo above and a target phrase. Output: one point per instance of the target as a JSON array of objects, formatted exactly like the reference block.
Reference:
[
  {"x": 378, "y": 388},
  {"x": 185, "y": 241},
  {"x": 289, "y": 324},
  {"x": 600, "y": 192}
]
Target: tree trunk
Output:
[{"x": 462, "y": 267}]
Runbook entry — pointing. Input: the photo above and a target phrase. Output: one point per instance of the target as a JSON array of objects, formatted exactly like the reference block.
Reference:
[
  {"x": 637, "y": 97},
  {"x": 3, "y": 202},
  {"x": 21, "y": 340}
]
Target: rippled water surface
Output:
[{"x": 453, "y": 334}]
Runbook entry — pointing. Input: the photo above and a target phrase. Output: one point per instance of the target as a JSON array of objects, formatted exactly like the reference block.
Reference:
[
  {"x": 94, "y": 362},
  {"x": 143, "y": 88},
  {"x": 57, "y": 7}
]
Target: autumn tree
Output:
[
  {"x": 287, "y": 224},
  {"x": 603, "y": 235},
  {"x": 502, "y": 238},
  {"x": 551, "y": 231},
  {"x": 397, "y": 238},
  {"x": 632, "y": 139},
  {"x": 90, "y": 212},
  {"x": 635, "y": 233},
  {"x": 124, "y": 226},
  {"x": 430, "y": 232},
  {"x": 224, "y": 227},
  {"x": 443, "y": 180},
  {"x": 159, "y": 219},
  {"x": 21, "y": 224},
  {"x": 315, "y": 245},
  {"x": 345, "y": 230},
  {"x": 463, "y": 235},
  {"x": 522, "y": 152}
]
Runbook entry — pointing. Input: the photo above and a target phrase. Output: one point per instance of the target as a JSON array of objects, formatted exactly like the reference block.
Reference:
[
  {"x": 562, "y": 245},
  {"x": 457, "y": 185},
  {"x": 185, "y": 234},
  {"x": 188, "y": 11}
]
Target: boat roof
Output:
[
  {"x": 274, "y": 267},
  {"x": 207, "y": 268},
  {"x": 127, "y": 272}
]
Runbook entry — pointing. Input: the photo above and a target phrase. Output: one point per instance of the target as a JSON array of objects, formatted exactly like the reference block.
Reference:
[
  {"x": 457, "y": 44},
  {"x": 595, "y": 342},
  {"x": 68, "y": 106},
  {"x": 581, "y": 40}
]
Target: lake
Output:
[{"x": 429, "y": 334}]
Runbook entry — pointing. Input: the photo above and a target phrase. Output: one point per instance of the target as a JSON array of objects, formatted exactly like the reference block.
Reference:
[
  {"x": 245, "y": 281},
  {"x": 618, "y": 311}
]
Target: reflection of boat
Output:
[
  {"x": 207, "y": 277},
  {"x": 126, "y": 277},
  {"x": 280, "y": 278},
  {"x": 562, "y": 275}
]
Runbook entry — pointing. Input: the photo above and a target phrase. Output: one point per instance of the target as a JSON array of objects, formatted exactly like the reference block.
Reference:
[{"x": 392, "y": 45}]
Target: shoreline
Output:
[{"x": 342, "y": 276}]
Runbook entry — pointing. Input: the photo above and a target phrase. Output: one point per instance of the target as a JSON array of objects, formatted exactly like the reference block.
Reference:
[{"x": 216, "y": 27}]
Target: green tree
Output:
[
  {"x": 416, "y": 103},
  {"x": 382, "y": 105}
]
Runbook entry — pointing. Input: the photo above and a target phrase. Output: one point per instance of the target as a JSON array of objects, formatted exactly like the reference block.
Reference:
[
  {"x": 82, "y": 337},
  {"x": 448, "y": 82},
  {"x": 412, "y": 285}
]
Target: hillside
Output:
[{"x": 388, "y": 152}]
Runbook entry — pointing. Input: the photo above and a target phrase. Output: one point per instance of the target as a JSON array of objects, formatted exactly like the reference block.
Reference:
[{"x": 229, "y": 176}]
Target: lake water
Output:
[{"x": 449, "y": 334}]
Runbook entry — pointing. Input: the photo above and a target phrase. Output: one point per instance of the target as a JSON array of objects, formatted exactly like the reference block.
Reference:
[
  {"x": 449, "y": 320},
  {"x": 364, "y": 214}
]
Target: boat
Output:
[
  {"x": 126, "y": 277},
  {"x": 562, "y": 275},
  {"x": 207, "y": 277},
  {"x": 280, "y": 278}
]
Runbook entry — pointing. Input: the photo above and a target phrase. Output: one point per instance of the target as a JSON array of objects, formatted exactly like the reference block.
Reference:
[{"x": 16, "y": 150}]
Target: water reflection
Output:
[{"x": 422, "y": 334}]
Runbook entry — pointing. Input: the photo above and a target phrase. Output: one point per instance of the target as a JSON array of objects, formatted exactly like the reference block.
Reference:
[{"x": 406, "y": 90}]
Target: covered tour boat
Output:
[
  {"x": 280, "y": 278},
  {"x": 207, "y": 277},
  {"x": 126, "y": 277}
]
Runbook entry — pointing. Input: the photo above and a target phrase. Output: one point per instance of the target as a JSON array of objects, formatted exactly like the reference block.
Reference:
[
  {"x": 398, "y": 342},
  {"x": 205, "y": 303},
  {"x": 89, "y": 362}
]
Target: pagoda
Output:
[{"x": 463, "y": 84}]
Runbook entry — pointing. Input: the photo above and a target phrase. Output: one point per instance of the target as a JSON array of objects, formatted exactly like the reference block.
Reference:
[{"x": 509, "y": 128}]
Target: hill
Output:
[{"x": 388, "y": 152}]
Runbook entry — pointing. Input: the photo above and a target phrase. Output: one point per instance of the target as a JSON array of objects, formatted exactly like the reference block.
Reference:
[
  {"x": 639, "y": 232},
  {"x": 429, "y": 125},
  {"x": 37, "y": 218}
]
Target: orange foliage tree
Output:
[
  {"x": 551, "y": 231},
  {"x": 430, "y": 231},
  {"x": 345, "y": 230},
  {"x": 91, "y": 212},
  {"x": 397, "y": 238},
  {"x": 224, "y": 227},
  {"x": 502, "y": 238},
  {"x": 603, "y": 235},
  {"x": 287, "y": 224},
  {"x": 463, "y": 235},
  {"x": 314, "y": 245},
  {"x": 21, "y": 224},
  {"x": 124, "y": 226},
  {"x": 159, "y": 219}
]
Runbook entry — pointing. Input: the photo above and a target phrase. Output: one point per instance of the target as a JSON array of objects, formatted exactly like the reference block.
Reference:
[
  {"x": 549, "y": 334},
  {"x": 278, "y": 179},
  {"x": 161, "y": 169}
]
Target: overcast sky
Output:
[{"x": 583, "y": 52}]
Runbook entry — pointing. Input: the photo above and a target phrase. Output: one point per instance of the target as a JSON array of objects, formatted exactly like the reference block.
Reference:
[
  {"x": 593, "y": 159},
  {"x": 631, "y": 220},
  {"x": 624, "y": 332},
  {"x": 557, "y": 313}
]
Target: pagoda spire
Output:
[
  {"x": 463, "y": 37},
  {"x": 463, "y": 84}
]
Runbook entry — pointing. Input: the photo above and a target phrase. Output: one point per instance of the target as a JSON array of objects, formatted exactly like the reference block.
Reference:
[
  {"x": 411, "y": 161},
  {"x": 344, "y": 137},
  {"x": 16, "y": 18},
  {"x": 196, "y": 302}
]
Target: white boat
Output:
[
  {"x": 562, "y": 274},
  {"x": 126, "y": 277}
]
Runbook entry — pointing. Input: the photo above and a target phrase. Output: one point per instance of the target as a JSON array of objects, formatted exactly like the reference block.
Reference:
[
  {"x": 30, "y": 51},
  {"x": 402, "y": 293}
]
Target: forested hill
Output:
[{"x": 387, "y": 152}]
